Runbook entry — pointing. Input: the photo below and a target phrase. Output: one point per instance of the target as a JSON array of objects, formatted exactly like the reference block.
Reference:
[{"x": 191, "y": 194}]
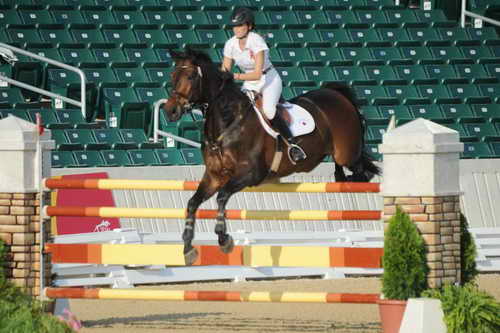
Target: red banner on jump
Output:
[{"x": 64, "y": 225}]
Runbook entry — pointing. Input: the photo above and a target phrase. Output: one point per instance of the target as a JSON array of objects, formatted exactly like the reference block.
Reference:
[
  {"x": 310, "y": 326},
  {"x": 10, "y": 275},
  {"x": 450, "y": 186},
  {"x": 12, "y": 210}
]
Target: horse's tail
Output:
[{"x": 364, "y": 168}]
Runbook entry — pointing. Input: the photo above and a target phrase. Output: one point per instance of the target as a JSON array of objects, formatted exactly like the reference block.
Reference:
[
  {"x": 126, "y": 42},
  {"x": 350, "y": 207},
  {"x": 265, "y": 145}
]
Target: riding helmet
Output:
[{"x": 241, "y": 16}]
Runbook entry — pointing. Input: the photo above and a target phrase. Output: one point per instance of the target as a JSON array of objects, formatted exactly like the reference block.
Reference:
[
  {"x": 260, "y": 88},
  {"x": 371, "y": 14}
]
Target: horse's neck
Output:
[{"x": 225, "y": 116}]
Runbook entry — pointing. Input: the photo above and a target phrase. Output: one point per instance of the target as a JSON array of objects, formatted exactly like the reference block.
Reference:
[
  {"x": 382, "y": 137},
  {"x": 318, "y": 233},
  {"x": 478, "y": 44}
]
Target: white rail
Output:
[
  {"x": 81, "y": 104},
  {"x": 465, "y": 13}
]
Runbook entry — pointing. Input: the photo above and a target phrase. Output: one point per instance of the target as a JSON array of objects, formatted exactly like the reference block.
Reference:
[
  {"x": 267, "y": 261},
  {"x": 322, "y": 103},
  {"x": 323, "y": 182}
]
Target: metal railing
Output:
[
  {"x": 478, "y": 22},
  {"x": 157, "y": 132},
  {"x": 81, "y": 103}
]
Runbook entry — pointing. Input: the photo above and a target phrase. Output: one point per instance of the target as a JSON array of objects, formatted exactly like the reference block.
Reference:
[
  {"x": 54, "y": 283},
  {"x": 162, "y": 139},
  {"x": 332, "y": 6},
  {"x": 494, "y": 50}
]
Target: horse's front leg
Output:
[
  {"x": 205, "y": 190},
  {"x": 226, "y": 242}
]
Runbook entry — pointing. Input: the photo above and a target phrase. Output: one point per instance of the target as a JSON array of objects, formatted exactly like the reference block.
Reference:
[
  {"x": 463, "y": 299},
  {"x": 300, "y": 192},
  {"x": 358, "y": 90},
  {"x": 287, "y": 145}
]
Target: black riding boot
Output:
[{"x": 295, "y": 152}]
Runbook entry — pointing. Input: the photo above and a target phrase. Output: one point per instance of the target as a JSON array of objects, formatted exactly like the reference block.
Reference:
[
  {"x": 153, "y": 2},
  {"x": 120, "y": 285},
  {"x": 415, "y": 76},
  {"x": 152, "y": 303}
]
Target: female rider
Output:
[{"x": 251, "y": 54}]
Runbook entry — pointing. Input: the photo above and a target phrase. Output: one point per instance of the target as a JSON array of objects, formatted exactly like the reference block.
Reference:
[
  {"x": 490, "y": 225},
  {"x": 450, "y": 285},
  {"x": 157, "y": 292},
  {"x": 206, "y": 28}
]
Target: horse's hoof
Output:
[
  {"x": 228, "y": 245},
  {"x": 191, "y": 256}
]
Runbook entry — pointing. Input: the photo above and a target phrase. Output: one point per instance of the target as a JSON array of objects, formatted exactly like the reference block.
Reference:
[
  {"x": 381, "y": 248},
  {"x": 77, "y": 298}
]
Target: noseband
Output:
[{"x": 190, "y": 104}]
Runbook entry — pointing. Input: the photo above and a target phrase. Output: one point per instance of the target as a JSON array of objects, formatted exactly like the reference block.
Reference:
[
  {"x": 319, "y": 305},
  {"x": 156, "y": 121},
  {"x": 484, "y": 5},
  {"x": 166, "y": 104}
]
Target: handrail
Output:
[
  {"x": 157, "y": 131},
  {"x": 81, "y": 104},
  {"x": 465, "y": 13}
]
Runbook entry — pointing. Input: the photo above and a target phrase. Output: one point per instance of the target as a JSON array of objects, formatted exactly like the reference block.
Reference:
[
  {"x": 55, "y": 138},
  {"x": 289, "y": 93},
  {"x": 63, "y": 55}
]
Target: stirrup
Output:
[{"x": 296, "y": 153}]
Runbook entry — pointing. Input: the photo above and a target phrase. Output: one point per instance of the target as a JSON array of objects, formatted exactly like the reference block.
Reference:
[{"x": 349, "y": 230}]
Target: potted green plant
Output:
[{"x": 405, "y": 269}]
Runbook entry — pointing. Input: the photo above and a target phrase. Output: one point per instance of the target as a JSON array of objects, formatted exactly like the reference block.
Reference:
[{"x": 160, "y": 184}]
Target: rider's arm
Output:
[
  {"x": 256, "y": 74},
  {"x": 227, "y": 64}
]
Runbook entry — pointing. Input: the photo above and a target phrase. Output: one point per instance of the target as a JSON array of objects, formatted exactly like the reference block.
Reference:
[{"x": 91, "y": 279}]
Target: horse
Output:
[{"x": 238, "y": 152}]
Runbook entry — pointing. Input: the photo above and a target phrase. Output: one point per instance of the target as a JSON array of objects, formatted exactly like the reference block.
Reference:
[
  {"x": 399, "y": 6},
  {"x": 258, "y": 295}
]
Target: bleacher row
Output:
[{"x": 404, "y": 62}]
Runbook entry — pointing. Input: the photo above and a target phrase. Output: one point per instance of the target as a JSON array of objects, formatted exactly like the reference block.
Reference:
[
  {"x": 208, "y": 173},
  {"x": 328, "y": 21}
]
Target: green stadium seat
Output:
[
  {"x": 400, "y": 16},
  {"x": 84, "y": 138},
  {"x": 481, "y": 54},
  {"x": 314, "y": 18},
  {"x": 275, "y": 37},
  {"x": 159, "y": 73},
  {"x": 493, "y": 70},
  {"x": 400, "y": 112},
  {"x": 55, "y": 34},
  {"x": 464, "y": 135},
  {"x": 430, "y": 111},
  {"x": 380, "y": 73},
  {"x": 73, "y": 117},
  {"x": 143, "y": 157},
  {"x": 372, "y": 115},
  {"x": 404, "y": 94},
  {"x": 130, "y": 73},
  {"x": 75, "y": 54},
  {"x": 138, "y": 136},
  {"x": 159, "y": 15},
  {"x": 286, "y": 19},
  {"x": 430, "y": 16},
  {"x": 295, "y": 55},
  {"x": 393, "y": 35},
  {"x": 11, "y": 96},
  {"x": 355, "y": 54},
  {"x": 192, "y": 18},
  {"x": 111, "y": 2},
  {"x": 219, "y": 16},
  {"x": 372, "y": 17},
  {"x": 481, "y": 34},
  {"x": 446, "y": 53},
  {"x": 488, "y": 112},
  {"x": 471, "y": 72},
  {"x": 66, "y": 15},
  {"x": 216, "y": 38},
  {"x": 107, "y": 53},
  {"x": 80, "y": 2},
  {"x": 364, "y": 36},
  {"x": 476, "y": 150},
  {"x": 372, "y": 149},
  {"x": 115, "y": 158},
  {"x": 418, "y": 54},
  {"x": 112, "y": 138},
  {"x": 375, "y": 133},
  {"x": 192, "y": 156},
  {"x": 98, "y": 73},
  {"x": 423, "y": 35},
  {"x": 183, "y": 37},
  {"x": 306, "y": 37},
  {"x": 88, "y": 159},
  {"x": 411, "y": 73},
  {"x": 440, "y": 72},
  {"x": 119, "y": 34},
  {"x": 33, "y": 14},
  {"x": 20, "y": 114},
  {"x": 491, "y": 90},
  {"x": 466, "y": 92},
  {"x": 169, "y": 156},
  {"x": 293, "y": 76},
  {"x": 319, "y": 74},
  {"x": 371, "y": 94},
  {"x": 341, "y": 17},
  {"x": 60, "y": 139},
  {"x": 327, "y": 55},
  {"x": 350, "y": 74},
  {"x": 128, "y": 15},
  {"x": 458, "y": 112},
  {"x": 495, "y": 148},
  {"x": 334, "y": 36},
  {"x": 140, "y": 53},
  {"x": 483, "y": 131},
  {"x": 97, "y": 15},
  {"x": 455, "y": 34},
  {"x": 62, "y": 159},
  {"x": 86, "y": 33},
  {"x": 23, "y": 34},
  {"x": 436, "y": 93},
  {"x": 150, "y": 35},
  {"x": 9, "y": 15}
]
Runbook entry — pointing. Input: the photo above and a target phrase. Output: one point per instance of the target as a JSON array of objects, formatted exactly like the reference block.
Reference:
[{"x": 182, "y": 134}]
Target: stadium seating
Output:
[{"x": 401, "y": 62}]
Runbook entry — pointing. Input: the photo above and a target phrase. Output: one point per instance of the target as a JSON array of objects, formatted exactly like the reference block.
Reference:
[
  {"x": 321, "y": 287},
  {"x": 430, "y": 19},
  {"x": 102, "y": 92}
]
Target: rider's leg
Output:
[{"x": 296, "y": 152}]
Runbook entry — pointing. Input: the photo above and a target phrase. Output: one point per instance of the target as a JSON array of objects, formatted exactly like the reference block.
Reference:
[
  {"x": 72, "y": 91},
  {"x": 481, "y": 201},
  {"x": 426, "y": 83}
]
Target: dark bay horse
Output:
[{"x": 238, "y": 152}]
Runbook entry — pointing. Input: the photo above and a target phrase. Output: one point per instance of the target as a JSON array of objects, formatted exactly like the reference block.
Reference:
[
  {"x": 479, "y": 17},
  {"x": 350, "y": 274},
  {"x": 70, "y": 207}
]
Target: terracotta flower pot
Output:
[{"x": 391, "y": 314}]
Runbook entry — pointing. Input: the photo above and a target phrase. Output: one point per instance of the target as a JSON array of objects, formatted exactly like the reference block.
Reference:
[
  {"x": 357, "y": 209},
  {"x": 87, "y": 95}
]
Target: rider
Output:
[{"x": 251, "y": 54}]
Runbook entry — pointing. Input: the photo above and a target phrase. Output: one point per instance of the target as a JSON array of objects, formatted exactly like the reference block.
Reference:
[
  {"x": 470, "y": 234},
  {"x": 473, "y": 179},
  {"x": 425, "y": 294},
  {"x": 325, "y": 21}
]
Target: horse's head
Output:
[{"x": 187, "y": 79}]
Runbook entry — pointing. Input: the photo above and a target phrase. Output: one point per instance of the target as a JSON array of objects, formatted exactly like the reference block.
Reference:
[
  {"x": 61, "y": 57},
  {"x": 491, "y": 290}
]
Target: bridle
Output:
[{"x": 198, "y": 74}]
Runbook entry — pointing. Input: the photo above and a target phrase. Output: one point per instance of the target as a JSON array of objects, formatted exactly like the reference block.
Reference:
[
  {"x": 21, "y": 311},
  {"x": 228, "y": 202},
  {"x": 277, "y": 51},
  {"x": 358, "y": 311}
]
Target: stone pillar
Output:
[
  {"x": 421, "y": 175},
  {"x": 20, "y": 173}
]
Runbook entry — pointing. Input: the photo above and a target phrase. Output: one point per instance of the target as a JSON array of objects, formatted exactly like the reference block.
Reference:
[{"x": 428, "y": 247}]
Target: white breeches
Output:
[{"x": 270, "y": 86}]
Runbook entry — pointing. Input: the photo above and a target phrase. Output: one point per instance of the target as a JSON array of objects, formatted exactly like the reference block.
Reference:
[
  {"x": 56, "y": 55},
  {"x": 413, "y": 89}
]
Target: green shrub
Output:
[
  {"x": 404, "y": 262},
  {"x": 467, "y": 309},
  {"x": 20, "y": 313},
  {"x": 468, "y": 253}
]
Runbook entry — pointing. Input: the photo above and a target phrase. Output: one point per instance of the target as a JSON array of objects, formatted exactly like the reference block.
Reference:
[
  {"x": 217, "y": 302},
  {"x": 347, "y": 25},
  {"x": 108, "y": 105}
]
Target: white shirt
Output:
[{"x": 245, "y": 59}]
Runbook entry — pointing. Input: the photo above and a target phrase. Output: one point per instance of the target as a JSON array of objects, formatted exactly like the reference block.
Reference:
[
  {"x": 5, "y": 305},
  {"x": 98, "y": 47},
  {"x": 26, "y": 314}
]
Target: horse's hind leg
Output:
[
  {"x": 205, "y": 190},
  {"x": 339, "y": 173}
]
